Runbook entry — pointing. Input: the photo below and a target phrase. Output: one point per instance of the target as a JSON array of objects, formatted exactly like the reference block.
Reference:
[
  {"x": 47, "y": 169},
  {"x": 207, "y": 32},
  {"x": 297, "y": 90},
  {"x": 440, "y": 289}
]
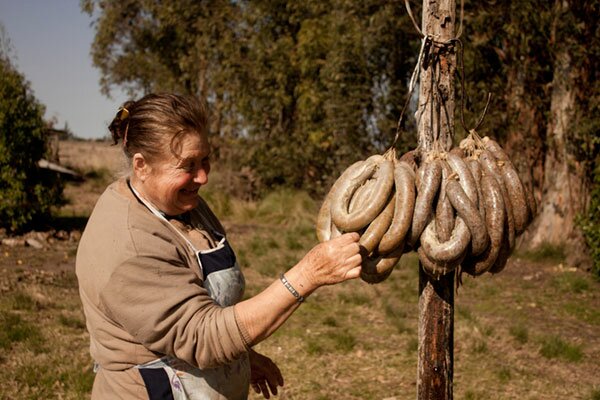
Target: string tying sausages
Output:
[{"x": 458, "y": 208}]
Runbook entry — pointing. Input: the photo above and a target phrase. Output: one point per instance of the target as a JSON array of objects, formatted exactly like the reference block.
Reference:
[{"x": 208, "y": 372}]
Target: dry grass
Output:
[
  {"x": 86, "y": 156},
  {"x": 530, "y": 332}
]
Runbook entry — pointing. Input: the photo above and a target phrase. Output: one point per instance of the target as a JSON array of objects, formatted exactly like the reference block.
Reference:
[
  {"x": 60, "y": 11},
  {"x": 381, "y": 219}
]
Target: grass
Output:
[
  {"x": 582, "y": 312},
  {"x": 571, "y": 282},
  {"x": 71, "y": 322},
  {"x": 504, "y": 374},
  {"x": 545, "y": 252},
  {"x": 555, "y": 347},
  {"x": 13, "y": 329},
  {"x": 357, "y": 299},
  {"x": 23, "y": 301},
  {"x": 519, "y": 333}
]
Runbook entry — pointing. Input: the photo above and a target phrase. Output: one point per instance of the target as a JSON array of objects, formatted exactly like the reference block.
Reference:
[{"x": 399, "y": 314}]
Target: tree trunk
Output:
[
  {"x": 564, "y": 192},
  {"x": 435, "y": 124}
]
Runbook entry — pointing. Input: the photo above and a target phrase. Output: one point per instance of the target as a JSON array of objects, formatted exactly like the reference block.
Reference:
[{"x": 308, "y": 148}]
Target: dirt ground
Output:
[{"x": 502, "y": 324}]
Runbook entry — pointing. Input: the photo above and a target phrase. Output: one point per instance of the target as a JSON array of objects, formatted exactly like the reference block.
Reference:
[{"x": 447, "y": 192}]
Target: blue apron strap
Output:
[
  {"x": 157, "y": 383},
  {"x": 217, "y": 259}
]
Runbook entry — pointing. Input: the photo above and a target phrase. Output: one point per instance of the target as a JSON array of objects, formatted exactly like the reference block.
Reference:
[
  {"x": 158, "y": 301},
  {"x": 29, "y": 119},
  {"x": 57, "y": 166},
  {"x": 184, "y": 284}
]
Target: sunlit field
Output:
[{"x": 530, "y": 332}]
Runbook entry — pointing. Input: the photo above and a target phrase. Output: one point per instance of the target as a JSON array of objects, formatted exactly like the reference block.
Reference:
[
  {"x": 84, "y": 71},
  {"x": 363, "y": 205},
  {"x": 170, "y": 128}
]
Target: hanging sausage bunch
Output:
[{"x": 462, "y": 207}]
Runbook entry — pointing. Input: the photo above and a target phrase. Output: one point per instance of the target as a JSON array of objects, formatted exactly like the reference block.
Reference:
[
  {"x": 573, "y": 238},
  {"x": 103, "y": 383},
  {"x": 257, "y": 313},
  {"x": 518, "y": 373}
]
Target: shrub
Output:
[
  {"x": 590, "y": 223},
  {"x": 27, "y": 193}
]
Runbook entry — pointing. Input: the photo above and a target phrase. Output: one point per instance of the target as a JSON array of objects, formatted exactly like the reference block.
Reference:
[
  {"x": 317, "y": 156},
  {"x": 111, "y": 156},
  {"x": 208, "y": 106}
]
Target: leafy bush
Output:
[
  {"x": 590, "y": 223},
  {"x": 26, "y": 192}
]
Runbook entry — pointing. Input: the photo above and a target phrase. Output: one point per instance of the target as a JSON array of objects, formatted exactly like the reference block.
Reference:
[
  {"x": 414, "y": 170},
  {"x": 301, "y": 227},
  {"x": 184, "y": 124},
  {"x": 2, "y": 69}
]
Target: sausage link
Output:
[
  {"x": 404, "y": 180},
  {"x": 372, "y": 236},
  {"x": 377, "y": 269},
  {"x": 410, "y": 159},
  {"x": 362, "y": 195},
  {"x": 444, "y": 213},
  {"x": 516, "y": 193},
  {"x": 450, "y": 250},
  {"x": 335, "y": 231},
  {"x": 324, "y": 222},
  {"x": 426, "y": 191},
  {"x": 435, "y": 269},
  {"x": 504, "y": 253},
  {"x": 495, "y": 217},
  {"x": 457, "y": 151},
  {"x": 475, "y": 168},
  {"x": 382, "y": 171},
  {"x": 488, "y": 163},
  {"x": 514, "y": 186},
  {"x": 464, "y": 176},
  {"x": 495, "y": 149},
  {"x": 468, "y": 212}
]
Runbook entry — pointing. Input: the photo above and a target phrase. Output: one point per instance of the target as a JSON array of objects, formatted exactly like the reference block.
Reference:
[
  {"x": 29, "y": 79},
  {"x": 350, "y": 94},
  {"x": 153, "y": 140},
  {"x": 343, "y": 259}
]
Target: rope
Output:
[
  {"x": 411, "y": 87},
  {"x": 430, "y": 40},
  {"x": 427, "y": 42},
  {"x": 412, "y": 18}
]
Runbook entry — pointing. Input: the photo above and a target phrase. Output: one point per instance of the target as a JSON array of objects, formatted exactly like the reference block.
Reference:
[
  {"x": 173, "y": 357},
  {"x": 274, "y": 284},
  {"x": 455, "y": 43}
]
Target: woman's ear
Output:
[{"x": 141, "y": 169}]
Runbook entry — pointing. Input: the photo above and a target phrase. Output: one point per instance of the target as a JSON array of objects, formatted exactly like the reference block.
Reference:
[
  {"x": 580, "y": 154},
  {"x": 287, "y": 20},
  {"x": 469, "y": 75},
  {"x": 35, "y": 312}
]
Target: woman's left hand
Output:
[{"x": 265, "y": 376}]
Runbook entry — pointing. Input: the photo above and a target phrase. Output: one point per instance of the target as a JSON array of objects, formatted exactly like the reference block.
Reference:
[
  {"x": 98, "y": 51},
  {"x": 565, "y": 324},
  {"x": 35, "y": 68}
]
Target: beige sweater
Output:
[{"x": 142, "y": 295}]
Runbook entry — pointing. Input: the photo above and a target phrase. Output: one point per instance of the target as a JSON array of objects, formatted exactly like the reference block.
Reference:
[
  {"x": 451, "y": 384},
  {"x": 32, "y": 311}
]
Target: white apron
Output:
[{"x": 171, "y": 378}]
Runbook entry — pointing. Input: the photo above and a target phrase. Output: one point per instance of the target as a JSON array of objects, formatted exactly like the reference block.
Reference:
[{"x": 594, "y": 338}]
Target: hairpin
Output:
[{"x": 123, "y": 113}]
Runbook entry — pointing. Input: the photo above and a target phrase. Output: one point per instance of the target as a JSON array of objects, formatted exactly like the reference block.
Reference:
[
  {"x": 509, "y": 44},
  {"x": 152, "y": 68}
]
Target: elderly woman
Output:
[{"x": 160, "y": 286}]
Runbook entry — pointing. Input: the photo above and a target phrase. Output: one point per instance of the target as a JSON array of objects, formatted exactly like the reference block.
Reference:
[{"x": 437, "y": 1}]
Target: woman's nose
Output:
[{"x": 201, "y": 176}]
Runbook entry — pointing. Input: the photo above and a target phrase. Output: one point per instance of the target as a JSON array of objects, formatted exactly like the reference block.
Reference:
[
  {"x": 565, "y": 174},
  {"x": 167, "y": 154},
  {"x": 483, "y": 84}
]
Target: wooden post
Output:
[{"x": 436, "y": 120}]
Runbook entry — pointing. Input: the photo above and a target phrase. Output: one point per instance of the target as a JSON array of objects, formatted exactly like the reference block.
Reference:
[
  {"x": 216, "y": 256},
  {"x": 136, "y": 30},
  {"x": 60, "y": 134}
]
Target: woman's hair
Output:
[{"x": 157, "y": 121}]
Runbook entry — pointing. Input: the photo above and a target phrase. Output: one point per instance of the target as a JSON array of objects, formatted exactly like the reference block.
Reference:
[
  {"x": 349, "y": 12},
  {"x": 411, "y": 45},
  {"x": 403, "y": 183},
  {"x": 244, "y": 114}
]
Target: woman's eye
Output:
[
  {"x": 192, "y": 165},
  {"x": 189, "y": 166}
]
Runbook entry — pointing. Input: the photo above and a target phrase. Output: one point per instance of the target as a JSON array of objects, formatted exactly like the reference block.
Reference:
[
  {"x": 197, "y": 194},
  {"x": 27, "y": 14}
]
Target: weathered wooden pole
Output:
[{"x": 436, "y": 120}]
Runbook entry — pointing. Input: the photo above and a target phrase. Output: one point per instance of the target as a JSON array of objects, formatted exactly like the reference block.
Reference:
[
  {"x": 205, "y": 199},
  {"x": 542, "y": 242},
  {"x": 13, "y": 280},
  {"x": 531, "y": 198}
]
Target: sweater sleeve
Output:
[{"x": 162, "y": 304}]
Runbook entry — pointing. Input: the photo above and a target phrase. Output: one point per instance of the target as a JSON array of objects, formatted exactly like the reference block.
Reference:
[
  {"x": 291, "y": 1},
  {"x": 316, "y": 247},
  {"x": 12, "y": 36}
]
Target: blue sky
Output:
[{"x": 51, "y": 42}]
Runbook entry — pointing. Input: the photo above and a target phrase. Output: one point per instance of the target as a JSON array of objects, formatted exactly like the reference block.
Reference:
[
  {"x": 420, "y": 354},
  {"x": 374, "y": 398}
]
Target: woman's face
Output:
[{"x": 172, "y": 183}]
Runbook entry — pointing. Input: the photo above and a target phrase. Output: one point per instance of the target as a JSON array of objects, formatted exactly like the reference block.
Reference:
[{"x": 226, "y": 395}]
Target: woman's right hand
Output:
[
  {"x": 330, "y": 262},
  {"x": 333, "y": 261}
]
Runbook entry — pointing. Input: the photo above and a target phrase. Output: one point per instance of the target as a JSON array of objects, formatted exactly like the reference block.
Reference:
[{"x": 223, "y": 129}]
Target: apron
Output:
[{"x": 171, "y": 378}]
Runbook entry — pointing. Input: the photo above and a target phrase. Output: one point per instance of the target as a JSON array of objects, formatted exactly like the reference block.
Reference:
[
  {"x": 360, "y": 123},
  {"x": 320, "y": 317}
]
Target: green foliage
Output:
[
  {"x": 590, "y": 222},
  {"x": 26, "y": 192},
  {"x": 298, "y": 89}
]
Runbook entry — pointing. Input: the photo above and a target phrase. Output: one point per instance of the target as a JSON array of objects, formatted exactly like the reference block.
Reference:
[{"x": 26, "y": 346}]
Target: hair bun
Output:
[{"x": 118, "y": 126}]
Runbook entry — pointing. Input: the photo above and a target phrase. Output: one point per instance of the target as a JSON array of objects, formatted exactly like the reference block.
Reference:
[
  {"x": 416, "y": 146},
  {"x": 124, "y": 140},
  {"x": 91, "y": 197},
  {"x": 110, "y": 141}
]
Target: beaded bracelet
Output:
[{"x": 289, "y": 287}]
